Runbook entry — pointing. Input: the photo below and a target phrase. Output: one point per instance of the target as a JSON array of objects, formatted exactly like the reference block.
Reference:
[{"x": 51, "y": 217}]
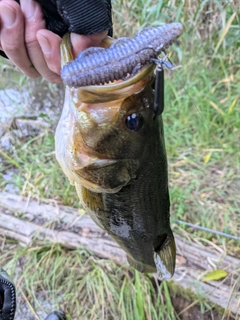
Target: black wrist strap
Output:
[
  {"x": 86, "y": 16},
  {"x": 79, "y": 16}
]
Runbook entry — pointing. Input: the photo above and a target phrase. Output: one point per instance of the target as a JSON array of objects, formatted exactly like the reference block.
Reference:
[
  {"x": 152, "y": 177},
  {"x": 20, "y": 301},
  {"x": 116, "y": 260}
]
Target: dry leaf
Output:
[{"x": 215, "y": 275}]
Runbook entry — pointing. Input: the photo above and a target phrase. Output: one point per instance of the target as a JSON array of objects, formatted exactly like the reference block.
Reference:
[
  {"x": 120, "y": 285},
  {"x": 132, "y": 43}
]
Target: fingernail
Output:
[
  {"x": 44, "y": 44},
  {"x": 8, "y": 16},
  {"x": 29, "y": 8}
]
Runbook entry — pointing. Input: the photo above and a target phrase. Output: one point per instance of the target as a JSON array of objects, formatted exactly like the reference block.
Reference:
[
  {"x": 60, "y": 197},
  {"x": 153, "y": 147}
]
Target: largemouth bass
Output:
[{"x": 110, "y": 144}]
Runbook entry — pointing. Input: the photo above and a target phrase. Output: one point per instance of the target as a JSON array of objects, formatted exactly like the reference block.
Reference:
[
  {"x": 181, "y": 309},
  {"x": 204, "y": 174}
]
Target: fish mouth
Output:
[
  {"x": 109, "y": 91},
  {"x": 114, "y": 91},
  {"x": 165, "y": 256}
]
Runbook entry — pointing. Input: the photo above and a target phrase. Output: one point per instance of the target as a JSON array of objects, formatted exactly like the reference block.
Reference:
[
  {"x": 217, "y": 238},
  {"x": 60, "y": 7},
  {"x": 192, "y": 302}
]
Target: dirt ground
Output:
[{"x": 194, "y": 313}]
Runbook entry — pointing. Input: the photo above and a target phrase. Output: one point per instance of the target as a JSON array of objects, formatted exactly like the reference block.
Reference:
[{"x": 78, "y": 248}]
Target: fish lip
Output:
[
  {"x": 113, "y": 91},
  {"x": 83, "y": 161}
]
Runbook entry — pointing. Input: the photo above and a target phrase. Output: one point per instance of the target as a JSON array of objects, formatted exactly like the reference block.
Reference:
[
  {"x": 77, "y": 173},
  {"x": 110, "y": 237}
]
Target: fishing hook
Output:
[{"x": 158, "y": 106}]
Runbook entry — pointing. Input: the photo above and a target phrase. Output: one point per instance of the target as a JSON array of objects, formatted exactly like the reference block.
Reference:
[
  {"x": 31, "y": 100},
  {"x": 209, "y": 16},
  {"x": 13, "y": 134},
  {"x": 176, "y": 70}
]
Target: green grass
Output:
[
  {"x": 202, "y": 122},
  {"x": 202, "y": 110},
  {"x": 84, "y": 286},
  {"x": 38, "y": 173}
]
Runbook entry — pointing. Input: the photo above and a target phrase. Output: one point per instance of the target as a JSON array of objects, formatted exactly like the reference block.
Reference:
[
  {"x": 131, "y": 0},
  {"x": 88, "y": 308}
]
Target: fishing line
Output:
[{"x": 207, "y": 230}]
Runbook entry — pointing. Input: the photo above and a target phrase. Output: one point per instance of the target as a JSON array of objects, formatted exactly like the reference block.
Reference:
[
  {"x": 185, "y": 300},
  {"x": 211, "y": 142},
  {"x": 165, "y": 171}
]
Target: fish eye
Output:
[{"x": 134, "y": 121}]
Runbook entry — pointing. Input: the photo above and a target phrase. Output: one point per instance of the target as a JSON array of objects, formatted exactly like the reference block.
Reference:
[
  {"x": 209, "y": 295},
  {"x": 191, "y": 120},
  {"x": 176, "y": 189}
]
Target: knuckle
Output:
[
  {"x": 31, "y": 42},
  {"x": 9, "y": 48},
  {"x": 31, "y": 73},
  {"x": 33, "y": 76},
  {"x": 53, "y": 78}
]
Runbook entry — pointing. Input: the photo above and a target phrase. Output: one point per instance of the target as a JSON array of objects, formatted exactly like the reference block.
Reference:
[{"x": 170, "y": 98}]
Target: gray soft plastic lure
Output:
[{"x": 124, "y": 58}]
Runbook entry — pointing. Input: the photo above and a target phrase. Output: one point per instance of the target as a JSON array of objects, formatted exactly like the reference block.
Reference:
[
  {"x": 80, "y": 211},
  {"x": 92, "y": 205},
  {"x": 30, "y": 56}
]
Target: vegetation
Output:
[{"x": 202, "y": 122}]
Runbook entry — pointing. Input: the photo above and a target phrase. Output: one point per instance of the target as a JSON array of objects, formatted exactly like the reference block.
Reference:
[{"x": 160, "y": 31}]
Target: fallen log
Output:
[{"x": 28, "y": 221}]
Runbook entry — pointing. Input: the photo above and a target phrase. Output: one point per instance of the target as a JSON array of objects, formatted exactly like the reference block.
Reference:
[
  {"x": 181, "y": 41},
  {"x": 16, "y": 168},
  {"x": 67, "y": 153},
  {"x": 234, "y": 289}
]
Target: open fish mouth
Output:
[
  {"x": 119, "y": 59},
  {"x": 109, "y": 91},
  {"x": 112, "y": 91}
]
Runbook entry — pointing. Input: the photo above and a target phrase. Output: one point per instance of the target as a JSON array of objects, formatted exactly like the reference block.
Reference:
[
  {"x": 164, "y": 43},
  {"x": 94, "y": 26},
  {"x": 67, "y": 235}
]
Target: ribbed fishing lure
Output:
[{"x": 123, "y": 59}]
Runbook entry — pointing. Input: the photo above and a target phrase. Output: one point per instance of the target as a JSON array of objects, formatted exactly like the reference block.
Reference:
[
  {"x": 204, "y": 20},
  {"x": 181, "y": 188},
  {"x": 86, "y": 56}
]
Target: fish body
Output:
[
  {"x": 124, "y": 57},
  {"x": 110, "y": 144},
  {"x": 137, "y": 215}
]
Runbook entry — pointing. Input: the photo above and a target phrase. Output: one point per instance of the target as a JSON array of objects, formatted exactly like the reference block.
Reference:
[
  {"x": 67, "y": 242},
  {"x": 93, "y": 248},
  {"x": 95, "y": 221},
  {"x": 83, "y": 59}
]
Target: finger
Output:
[
  {"x": 82, "y": 42},
  {"x": 12, "y": 37},
  {"x": 50, "y": 45},
  {"x": 34, "y": 21}
]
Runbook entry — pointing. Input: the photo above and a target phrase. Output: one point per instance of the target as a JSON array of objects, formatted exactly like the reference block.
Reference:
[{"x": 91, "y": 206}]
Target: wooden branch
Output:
[{"x": 30, "y": 221}]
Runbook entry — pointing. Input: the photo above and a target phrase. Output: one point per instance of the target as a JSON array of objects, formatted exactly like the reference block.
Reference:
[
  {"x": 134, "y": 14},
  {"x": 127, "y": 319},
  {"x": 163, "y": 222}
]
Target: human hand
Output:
[{"x": 30, "y": 46}]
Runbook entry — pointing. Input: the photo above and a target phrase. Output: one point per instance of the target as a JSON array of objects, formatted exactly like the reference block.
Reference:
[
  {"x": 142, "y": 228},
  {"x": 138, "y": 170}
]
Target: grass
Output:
[
  {"x": 202, "y": 122},
  {"x": 42, "y": 175},
  {"x": 84, "y": 286}
]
